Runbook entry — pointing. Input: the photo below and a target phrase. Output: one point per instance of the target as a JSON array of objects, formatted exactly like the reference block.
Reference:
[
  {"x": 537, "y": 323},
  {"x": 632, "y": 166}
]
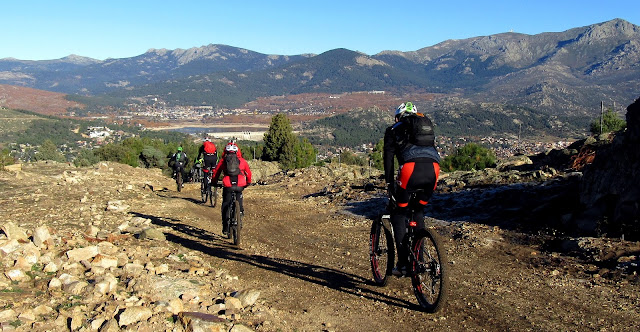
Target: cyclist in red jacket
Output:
[{"x": 237, "y": 176}]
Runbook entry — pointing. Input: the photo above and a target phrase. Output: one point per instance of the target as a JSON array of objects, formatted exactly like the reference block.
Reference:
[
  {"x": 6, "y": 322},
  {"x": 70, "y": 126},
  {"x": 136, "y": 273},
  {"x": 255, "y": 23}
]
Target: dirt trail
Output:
[
  {"x": 305, "y": 248},
  {"x": 310, "y": 260}
]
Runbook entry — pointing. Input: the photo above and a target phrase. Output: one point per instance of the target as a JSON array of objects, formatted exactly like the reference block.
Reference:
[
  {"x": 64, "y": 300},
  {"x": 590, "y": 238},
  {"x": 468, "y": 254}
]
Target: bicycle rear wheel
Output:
[
  {"x": 204, "y": 191},
  {"x": 381, "y": 252},
  {"x": 236, "y": 223},
  {"x": 428, "y": 271},
  {"x": 215, "y": 196}
]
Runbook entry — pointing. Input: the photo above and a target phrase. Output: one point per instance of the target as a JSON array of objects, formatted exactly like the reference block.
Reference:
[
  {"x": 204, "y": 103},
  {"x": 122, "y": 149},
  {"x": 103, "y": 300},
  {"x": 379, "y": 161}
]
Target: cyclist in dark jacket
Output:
[
  {"x": 419, "y": 169},
  {"x": 178, "y": 161}
]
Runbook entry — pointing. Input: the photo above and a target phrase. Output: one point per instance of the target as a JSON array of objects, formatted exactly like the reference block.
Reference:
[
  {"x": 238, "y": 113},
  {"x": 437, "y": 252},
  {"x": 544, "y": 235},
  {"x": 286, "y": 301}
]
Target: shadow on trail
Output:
[
  {"x": 176, "y": 195},
  {"x": 217, "y": 246},
  {"x": 526, "y": 207}
]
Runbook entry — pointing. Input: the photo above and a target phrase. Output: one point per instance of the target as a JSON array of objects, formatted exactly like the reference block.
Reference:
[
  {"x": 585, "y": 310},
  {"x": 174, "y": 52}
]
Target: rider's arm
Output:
[
  {"x": 217, "y": 170},
  {"x": 388, "y": 155},
  {"x": 200, "y": 152},
  {"x": 247, "y": 170}
]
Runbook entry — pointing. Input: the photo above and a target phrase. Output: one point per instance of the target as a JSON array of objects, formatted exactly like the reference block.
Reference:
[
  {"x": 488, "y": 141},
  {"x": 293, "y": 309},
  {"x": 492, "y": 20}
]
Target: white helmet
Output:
[
  {"x": 231, "y": 148},
  {"x": 406, "y": 109}
]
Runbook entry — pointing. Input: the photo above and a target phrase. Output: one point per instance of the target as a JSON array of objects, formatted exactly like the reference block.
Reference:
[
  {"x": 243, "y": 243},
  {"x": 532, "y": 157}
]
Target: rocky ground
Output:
[{"x": 110, "y": 248}]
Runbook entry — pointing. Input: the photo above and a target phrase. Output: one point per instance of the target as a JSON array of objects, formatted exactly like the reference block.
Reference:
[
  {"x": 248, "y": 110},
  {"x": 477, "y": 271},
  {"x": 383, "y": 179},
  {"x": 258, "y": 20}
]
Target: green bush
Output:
[
  {"x": 610, "y": 122},
  {"x": 85, "y": 157},
  {"x": 5, "y": 158},
  {"x": 152, "y": 157},
  {"x": 469, "y": 157},
  {"x": 376, "y": 155},
  {"x": 49, "y": 151}
]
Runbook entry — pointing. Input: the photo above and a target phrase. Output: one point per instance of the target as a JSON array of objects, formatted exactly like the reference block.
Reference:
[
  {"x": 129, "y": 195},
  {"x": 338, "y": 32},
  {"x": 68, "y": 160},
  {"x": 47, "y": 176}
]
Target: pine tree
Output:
[
  {"x": 279, "y": 135},
  {"x": 611, "y": 121},
  {"x": 49, "y": 151}
]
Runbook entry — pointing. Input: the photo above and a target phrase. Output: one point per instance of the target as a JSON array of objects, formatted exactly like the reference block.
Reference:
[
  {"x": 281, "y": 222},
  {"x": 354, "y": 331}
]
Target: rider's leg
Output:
[
  {"x": 398, "y": 220},
  {"x": 240, "y": 199},
  {"x": 210, "y": 161},
  {"x": 425, "y": 177}
]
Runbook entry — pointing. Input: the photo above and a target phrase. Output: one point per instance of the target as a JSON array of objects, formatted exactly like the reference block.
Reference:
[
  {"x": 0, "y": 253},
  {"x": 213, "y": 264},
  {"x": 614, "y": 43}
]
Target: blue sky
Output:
[{"x": 41, "y": 30}]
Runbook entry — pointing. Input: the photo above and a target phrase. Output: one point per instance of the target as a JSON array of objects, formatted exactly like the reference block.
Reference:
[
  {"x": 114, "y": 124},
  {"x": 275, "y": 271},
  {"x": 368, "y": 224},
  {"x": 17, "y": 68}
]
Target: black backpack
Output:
[
  {"x": 232, "y": 164},
  {"x": 420, "y": 130}
]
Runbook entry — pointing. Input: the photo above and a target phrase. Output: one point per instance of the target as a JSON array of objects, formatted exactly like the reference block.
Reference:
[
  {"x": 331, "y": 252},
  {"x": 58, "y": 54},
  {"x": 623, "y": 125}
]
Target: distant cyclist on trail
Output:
[
  {"x": 237, "y": 176},
  {"x": 412, "y": 141},
  {"x": 178, "y": 161},
  {"x": 209, "y": 153}
]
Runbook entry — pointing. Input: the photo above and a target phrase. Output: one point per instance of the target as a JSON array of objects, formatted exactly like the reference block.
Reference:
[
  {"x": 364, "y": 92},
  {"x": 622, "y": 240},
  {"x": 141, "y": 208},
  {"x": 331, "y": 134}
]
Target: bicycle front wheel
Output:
[
  {"x": 381, "y": 252},
  {"x": 215, "y": 196},
  {"x": 428, "y": 271},
  {"x": 236, "y": 223},
  {"x": 179, "y": 181}
]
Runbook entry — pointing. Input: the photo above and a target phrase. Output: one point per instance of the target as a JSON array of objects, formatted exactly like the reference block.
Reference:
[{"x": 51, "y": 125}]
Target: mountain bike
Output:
[
  {"x": 196, "y": 172},
  {"x": 179, "y": 180},
  {"x": 235, "y": 219},
  {"x": 427, "y": 267},
  {"x": 205, "y": 189}
]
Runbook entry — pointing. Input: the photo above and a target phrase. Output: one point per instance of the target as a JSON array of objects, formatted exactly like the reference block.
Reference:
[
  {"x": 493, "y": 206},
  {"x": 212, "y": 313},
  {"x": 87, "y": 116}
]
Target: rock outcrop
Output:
[{"x": 610, "y": 188}]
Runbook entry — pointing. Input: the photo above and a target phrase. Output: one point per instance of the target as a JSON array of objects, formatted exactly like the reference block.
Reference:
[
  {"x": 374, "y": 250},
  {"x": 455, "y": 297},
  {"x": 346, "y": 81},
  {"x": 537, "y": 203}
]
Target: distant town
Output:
[{"x": 250, "y": 122}]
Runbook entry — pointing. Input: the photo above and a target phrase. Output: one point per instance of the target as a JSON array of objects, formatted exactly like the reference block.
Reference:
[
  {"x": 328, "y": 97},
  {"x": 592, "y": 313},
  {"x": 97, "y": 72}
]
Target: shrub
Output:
[
  {"x": 610, "y": 122},
  {"x": 469, "y": 157}
]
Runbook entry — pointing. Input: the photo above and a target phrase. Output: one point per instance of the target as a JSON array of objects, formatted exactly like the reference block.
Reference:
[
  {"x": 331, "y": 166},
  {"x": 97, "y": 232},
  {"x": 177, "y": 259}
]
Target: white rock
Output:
[
  {"x": 106, "y": 284},
  {"x": 15, "y": 275},
  {"x": 41, "y": 237},
  {"x": 132, "y": 269},
  {"x": 107, "y": 248},
  {"x": 9, "y": 247},
  {"x": 175, "y": 306},
  {"x": 55, "y": 283},
  {"x": 22, "y": 264},
  {"x": 52, "y": 267},
  {"x": 42, "y": 310},
  {"x": 85, "y": 253},
  {"x": 7, "y": 315},
  {"x": 247, "y": 297},
  {"x": 105, "y": 261},
  {"x": 27, "y": 315},
  {"x": 14, "y": 231},
  {"x": 133, "y": 315},
  {"x": 76, "y": 287},
  {"x": 162, "y": 269},
  {"x": 232, "y": 305},
  {"x": 67, "y": 278},
  {"x": 117, "y": 206},
  {"x": 97, "y": 323}
]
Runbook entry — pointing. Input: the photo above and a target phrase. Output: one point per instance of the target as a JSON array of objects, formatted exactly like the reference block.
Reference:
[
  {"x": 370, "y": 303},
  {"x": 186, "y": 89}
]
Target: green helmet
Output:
[{"x": 179, "y": 148}]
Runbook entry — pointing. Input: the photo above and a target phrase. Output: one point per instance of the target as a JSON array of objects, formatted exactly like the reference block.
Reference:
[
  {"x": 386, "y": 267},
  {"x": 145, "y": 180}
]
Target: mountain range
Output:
[{"x": 560, "y": 73}]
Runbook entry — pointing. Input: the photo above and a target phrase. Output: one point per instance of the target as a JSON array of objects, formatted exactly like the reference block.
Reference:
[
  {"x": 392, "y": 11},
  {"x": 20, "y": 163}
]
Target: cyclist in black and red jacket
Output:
[
  {"x": 208, "y": 152},
  {"x": 411, "y": 140}
]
